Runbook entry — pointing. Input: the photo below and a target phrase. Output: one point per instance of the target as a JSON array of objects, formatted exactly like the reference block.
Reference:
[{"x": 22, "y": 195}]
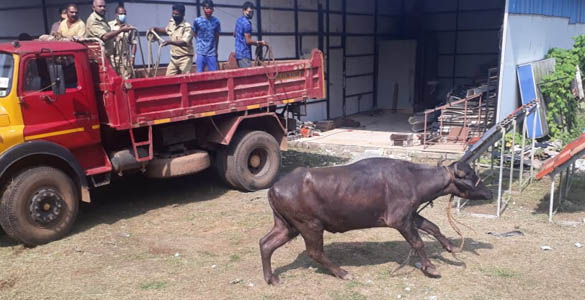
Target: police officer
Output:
[
  {"x": 97, "y": 27},
  {"x": 181, "y": 40}
]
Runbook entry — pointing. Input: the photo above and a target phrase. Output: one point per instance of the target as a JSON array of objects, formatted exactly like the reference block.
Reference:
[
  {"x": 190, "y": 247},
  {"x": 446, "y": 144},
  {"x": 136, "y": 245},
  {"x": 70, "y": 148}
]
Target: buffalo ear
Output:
[{"x": 458, "y": 172}]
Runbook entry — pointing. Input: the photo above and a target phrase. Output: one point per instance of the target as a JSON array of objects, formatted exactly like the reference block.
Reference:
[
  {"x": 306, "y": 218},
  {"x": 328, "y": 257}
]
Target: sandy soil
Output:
[{"x": 191, "y": 238}]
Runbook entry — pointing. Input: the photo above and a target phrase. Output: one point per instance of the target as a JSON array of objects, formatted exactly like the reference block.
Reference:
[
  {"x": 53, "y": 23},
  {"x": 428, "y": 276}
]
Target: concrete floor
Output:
[{"x": 374, "y": 135}]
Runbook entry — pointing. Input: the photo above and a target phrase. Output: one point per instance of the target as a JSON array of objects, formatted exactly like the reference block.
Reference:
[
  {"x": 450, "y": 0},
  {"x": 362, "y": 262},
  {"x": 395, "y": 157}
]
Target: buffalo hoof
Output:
[
  {"x": 431, "y": 272},
  {"x": 274, "y": 280},
  {"x": 347, "y": 276},
  {"x": 343, "y": 274}
]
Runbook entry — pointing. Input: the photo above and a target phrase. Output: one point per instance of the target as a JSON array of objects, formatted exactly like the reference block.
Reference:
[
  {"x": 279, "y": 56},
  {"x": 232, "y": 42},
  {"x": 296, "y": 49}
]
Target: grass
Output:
[
  {"x": 352, "y": 295},
  {"x": 234, "y": 258},
  {"x": 154, "y": 285},
  {"x": 353, "y": 284},
  {"x": 500, "y": 272}
]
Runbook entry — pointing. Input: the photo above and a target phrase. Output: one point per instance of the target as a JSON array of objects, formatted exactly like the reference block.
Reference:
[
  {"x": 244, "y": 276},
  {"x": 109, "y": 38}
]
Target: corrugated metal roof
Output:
[
  {"x": 575, "y": 149},
  {"x": 572, "y": 9}
]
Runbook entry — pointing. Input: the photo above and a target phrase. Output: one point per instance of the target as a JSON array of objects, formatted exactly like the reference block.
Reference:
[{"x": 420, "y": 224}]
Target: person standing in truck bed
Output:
[
  {"x": 207, "y": 28},
  {"x": 72, "y": 26},
  {"x": 243, "y": 36},
  {"x": 62, "y": 16},
  {"x": 97, "y": 27},
  {"x": 181, "y": 40},
  {"x": 125, "y": 45}
]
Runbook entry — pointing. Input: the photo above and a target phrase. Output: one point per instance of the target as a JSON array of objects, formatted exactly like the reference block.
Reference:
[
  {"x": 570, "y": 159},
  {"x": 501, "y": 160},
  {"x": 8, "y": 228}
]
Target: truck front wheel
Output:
[
  {"x": 253, "y": 160},
  {"x": 39, "y": 206}
]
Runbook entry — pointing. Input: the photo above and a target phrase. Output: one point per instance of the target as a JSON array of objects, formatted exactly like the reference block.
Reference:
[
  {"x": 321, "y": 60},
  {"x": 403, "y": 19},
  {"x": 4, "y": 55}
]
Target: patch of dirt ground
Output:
[{"x": 191, "y": 238}]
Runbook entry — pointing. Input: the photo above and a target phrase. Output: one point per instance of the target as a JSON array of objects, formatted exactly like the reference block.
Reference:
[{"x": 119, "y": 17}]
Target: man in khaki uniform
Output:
[
  {"x": 181, "y": 41},
  {"x": 97, "y": 27},
  {"x": 72, "y": 26},
  {"x": 124, "y": 45}
]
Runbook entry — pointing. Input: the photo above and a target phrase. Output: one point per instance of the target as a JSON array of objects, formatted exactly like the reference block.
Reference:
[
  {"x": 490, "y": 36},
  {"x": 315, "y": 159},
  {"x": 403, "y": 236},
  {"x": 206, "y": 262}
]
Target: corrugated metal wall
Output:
[
  {"x": 292, "y": 27},
  {"x": 572, "y": 9},
  {"x": 348, "y": 31}
]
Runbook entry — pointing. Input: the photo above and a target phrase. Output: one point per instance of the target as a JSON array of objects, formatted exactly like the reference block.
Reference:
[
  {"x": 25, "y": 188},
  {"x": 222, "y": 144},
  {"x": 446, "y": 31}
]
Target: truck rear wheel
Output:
[
  {"x": 39, "y": 206},
  {"x": 219, "y": 164},
  {"x": 252, "y": 161}
]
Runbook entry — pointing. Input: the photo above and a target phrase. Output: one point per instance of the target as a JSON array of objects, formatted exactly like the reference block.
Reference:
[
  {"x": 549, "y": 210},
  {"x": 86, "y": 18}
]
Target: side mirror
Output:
[{"x": 57, "y": 78}]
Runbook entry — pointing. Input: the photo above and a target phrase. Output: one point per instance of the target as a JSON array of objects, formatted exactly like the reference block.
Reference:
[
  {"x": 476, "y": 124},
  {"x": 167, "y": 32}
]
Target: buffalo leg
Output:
[
  {"x": 278, "y": 236},
  {"x": 432, "y": 229},
  {"x": 410, "y": 233},
  {"x": 314, "y": 243}
]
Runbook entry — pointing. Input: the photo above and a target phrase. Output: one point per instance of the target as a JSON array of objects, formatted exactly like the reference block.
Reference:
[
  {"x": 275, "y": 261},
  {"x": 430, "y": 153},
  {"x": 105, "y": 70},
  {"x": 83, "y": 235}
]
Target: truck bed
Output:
[{"x": 141, "y": 102}]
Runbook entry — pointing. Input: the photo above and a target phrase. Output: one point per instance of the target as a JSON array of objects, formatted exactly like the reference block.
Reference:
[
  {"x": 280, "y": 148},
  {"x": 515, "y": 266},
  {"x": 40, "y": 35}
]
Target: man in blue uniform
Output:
[
  {"x": 243, "y": 35},
  {"x": 206, "y": 29}
]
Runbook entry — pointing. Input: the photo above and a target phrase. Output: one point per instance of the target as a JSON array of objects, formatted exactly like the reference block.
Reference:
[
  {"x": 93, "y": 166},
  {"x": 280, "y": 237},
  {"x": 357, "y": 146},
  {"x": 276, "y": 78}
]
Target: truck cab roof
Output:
[{"x": 25, "y": 47}]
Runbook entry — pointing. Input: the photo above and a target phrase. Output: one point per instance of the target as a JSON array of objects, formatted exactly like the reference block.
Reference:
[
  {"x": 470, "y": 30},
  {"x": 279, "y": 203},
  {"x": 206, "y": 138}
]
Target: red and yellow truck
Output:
[{"x": 69, "y": 122}]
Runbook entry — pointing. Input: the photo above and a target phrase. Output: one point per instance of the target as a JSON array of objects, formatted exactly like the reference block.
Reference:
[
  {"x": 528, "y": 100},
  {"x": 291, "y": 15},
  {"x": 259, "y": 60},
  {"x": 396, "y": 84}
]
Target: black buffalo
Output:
[{"x": 375, "y": 192}]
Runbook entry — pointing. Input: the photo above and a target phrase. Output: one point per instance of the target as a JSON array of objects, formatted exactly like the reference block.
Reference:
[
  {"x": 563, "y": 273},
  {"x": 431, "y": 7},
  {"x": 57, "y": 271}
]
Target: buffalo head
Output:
[{"x": 466, "y": 184}]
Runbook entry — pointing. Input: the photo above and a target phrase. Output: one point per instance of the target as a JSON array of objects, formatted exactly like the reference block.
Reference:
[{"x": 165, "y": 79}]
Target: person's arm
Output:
[
  {"x": 159, "y": 30},
  {"x": 185, "y": 40},
  {"x": 175, "y": 43},
  {"x": 248, "y": 36},
  {"x": 250, "y": 41},
  {"x": 114, "y": 33}
]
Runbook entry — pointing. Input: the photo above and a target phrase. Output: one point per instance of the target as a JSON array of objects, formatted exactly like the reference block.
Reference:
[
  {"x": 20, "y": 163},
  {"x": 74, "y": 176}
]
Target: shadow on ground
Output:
[
  {"x": 131, "y": 196},
  {"x": 377, "y": 253},
  {"x": 573, "y": 201},
  {"x": 292, "y": 159}
]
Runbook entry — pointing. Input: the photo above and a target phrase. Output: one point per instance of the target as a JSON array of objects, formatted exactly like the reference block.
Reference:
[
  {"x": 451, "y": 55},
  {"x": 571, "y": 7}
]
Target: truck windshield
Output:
[{"x": 6, "y": 68}]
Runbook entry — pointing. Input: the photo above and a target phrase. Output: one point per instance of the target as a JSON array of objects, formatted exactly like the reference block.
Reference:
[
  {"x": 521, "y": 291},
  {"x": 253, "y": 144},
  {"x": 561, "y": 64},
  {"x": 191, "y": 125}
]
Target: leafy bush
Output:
[{"x": 562, "y": 107}]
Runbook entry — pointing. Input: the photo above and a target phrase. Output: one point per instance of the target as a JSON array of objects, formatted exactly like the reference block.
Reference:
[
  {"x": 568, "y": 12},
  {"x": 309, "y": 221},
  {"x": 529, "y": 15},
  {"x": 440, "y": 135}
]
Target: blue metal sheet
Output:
[
  {"x": 528, "y": 93},
  {"x": 572, "y": 9}
]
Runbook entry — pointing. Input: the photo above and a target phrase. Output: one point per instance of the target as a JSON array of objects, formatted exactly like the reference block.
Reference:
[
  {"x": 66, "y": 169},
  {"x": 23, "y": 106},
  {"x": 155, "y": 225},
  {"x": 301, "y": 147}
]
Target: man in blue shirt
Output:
[
  {"x": 243, "y": 35},
  {"x": 207, "y": 30}
]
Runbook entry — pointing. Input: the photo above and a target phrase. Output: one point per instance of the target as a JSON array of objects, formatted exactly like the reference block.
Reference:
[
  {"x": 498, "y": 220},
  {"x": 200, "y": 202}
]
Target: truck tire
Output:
[
  {"x": 253, "y": 160},
  {"x": 39, "y": 206},
  {"x": 219, "y": 164}
]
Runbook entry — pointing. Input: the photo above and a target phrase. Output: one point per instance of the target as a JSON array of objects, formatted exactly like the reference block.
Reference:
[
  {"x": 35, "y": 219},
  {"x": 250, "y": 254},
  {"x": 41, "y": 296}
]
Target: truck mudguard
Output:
[{"x": 23, "y": 151}]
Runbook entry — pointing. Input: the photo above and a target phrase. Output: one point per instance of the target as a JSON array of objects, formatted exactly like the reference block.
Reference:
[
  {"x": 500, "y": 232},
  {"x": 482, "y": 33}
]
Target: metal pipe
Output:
[
  {"x": 479, "y": 131},
  {"x": 512, "y": 161},
  {"x": 492, "y": 159},
  {"x": 533, "y": 141},
  {"x": 465, "y": 114},
  {"x": 552, "y": 197},
  {"x": 501, "y": 171},
  {"x": 570, "y": 184},
  {"x": 561, "y": 186},
  {"x": 425, "y": 133},
  {"x": 524, "y": 129}
]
